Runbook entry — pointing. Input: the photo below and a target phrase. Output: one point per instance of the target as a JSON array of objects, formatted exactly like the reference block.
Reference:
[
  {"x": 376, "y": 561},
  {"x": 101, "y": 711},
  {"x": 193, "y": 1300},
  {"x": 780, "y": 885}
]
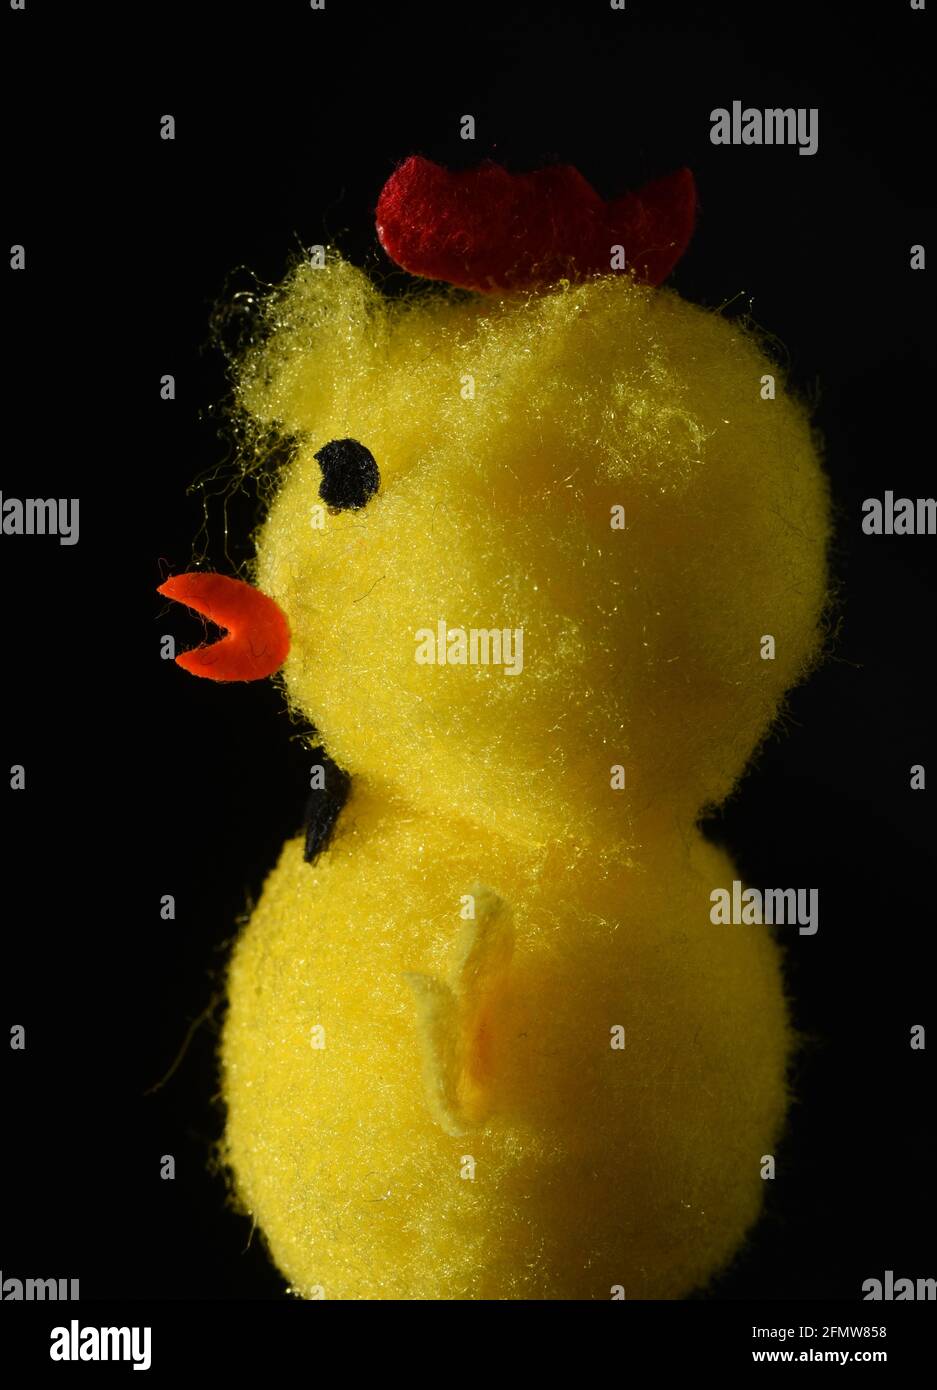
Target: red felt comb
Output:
[{"x": 486, "y": 229}]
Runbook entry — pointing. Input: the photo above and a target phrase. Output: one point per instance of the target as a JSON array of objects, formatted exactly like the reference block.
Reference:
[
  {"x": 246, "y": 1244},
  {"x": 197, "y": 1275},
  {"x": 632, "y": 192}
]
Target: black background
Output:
[{"x": 143, "y": 781}]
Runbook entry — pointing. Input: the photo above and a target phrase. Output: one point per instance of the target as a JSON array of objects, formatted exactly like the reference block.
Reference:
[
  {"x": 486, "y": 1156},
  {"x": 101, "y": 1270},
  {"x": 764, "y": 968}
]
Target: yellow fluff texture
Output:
[{"x": 489, "y": 1044}]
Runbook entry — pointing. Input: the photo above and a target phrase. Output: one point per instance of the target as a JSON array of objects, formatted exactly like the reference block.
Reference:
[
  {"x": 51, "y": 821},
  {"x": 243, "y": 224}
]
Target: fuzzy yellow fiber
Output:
[{"x": 423, "y": 1104}]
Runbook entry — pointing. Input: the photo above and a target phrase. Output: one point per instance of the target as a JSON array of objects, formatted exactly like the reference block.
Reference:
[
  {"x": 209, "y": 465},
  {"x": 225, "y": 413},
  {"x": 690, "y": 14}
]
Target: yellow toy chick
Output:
[{"x": 484, "y": 1040}]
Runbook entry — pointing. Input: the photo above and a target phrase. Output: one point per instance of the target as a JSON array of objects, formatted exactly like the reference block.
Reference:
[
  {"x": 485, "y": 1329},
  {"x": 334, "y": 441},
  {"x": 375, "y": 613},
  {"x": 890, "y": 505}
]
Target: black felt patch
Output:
[
  {"x": 350, "y": 475},
  {"x": 324, "y": 805}
]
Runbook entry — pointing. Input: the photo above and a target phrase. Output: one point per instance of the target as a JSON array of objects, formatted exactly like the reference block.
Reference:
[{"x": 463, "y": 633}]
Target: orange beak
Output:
[{"x": 257, "y": 636}]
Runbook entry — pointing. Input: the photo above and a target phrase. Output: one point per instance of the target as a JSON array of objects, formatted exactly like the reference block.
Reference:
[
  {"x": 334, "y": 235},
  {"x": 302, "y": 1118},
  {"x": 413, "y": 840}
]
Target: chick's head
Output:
[{"x": 592, "y": 468}]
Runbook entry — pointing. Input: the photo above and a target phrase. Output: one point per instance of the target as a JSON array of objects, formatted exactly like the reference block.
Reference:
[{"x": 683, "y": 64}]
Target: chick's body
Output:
[
  {"x": 490, "y": 1044},
  {"x": 585, "y": 1165}
]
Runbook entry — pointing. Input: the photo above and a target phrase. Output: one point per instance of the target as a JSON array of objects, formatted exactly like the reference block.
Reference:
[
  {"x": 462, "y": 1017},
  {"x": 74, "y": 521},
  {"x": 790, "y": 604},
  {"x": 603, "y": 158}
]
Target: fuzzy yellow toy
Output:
[{"x": 484, "y": 1039}]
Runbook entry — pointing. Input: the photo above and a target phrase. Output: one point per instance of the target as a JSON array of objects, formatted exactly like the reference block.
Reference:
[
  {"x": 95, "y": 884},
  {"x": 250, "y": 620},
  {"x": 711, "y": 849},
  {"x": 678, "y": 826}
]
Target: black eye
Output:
[{"x": 349, "y": 474}]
